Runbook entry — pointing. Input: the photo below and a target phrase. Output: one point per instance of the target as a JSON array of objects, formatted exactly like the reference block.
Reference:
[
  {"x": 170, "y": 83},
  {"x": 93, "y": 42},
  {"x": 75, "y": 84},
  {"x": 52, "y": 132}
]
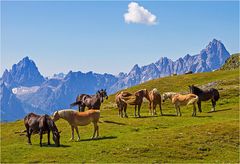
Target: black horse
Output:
[
  {"x": 41, "y": 124},
  {"x": 91, "y": 101},
  {"x": 205, "y": 95}
]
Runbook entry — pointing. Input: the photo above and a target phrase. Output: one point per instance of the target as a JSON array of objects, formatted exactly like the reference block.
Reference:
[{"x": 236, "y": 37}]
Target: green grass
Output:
[
  {"x": 210, "y": 137},
  {"x": 233, "y": 62}
]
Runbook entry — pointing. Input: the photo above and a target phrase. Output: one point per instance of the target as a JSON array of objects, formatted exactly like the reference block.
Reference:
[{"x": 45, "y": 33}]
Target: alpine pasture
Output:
[{"x": 209, "y": 137}]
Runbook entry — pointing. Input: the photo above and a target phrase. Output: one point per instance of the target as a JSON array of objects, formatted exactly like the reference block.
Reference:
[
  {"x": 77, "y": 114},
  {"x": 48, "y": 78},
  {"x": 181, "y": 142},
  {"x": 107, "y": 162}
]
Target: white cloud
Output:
[{"x": 138, "y": 14}]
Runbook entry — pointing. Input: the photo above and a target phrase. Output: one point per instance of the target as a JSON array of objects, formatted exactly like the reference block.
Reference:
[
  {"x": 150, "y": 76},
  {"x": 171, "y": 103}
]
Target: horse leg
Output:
[
  {"x": 41, "y": 133},
  {"x": 139, "y": 107},
  {"x": 48, "y": 137},
  {"x": 154, "y": 109},
  {"x": 180, "y": 114},
  {"x": 76, "y": 128},
  {"x": 72, "y": 127},
  {"x": 135, "y": 108},
  {"x": 176, "y": 109},
  {"x": 95, "y": 130},
  {"x": 28, "y": 135},
  {"x": 160, "y": 106},
  {"x": 213, "y": 105},
  {"x": 125, "y": 111},
  {"x": 194, "y": 110},
  {"x": 150, "y": 107},
  {"x": 199, "y": 106}
]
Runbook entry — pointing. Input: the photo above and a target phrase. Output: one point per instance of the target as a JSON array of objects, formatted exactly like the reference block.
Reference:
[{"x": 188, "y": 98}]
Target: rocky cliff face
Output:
[{"x": 24, "y": 73}]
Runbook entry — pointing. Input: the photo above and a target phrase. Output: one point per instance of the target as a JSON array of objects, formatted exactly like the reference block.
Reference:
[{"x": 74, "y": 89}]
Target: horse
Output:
[
  {"x": 182, "y": 100},
  {"x": 136, "y": 99},
  {"x": 122, "y": 106},
  {"x": 205, "y": 95},
  {"x": 75, "y": 119},
  {"x": 92, "y": 102},
  {"x": 41, "y": 124},
  {"x": 155, "y": 99}
]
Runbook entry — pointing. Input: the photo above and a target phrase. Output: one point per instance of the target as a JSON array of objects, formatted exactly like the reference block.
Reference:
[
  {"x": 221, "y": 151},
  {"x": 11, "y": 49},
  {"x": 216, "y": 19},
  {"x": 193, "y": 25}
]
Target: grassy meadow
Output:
[{"x": 211, "y": 137}]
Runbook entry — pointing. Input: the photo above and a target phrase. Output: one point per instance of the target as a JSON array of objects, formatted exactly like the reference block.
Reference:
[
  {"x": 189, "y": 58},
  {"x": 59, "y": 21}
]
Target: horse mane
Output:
[{"x": 196, "y": 89}]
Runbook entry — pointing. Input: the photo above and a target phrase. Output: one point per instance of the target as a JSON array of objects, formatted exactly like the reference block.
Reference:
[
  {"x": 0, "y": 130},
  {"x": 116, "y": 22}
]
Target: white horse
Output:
[
  {"x": 181, "y": 100},
  {"x": 75, "y": 119}
]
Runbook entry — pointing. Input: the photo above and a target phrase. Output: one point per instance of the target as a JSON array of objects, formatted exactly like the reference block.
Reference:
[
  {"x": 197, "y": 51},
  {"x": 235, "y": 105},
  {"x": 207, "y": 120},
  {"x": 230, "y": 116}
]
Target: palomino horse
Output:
[
  {"x": 75, "y": 119},
  {"x": 155, "y": 99},
  {"x": 92, "y": 102},
  {"x": 41, "y": 124},
  {"x": 182, "y": 100},
  {"x": 205, "y": 95},
  {"x": 136, "y": 99}
]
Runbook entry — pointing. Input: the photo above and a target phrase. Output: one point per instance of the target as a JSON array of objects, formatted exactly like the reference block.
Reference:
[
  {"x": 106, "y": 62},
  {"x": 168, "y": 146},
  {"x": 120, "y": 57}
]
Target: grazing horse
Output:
[
  {"x": 155, "y": 99},
  {"x": 136, "y": 99},
  {"x": 75, "y": 119},
  {"x": 41, "y": 124},
  {"x": 182, "y": 100},
  {"x": 205, "y": 95},
  {"x": 92, "y": 102}
]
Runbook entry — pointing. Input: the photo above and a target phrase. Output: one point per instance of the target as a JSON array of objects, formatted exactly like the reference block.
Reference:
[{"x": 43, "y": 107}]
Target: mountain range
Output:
[{"x": 24, "y": 89}]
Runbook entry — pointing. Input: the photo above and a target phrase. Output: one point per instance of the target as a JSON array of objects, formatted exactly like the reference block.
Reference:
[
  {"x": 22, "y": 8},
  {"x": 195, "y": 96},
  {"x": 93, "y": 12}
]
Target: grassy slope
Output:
[{"x": 210, "y": 137}]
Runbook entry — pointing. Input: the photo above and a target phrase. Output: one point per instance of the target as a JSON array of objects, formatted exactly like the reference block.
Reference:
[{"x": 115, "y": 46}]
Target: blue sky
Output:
[{"x": 93, "y": 36}]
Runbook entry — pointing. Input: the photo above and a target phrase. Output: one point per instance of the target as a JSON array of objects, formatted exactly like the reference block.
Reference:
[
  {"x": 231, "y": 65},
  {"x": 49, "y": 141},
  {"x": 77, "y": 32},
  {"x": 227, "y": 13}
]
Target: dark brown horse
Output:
[
  {"x": 205, "y": 95},
  {"x": 155, "y": 99},
  {"x": 92, "y": 102},
  {"x": 41, "y": 124},
  {"x": 136, "y": 99}
]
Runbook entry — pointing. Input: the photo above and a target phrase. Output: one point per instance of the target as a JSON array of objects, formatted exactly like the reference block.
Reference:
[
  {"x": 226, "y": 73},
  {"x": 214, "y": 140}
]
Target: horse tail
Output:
[
  {"x": 75, "y": 103},
  {"x": 193, "y": 100}
]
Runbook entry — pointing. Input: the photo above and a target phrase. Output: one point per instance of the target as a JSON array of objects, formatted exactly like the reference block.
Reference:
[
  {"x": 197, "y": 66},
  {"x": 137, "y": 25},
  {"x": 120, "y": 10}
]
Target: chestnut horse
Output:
[
  {"x": 75, "y": 119},
  {"x": 182, "y": 100},
  {"x": 136, "y": 99},
  {"x": 41, "y": 124},
  {"x": 154, "y": 100}
]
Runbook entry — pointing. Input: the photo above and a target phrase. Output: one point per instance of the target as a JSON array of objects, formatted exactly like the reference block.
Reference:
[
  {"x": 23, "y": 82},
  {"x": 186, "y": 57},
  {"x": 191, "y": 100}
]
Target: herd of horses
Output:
[{"x": 46, "y": 124}]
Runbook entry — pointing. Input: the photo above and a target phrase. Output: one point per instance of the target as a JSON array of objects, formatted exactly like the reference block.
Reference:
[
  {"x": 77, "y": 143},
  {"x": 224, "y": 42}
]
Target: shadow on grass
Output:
[
  {"x": 52, "y": 145},
  {"x": 113, "y": 122},
  {"x": 219, "y": 110},
  {"x": 174, "y": 115},
  {"x": 145, "y": 116},
  {"x": 203, "y": 116},
  {"x": 99, "y": 138}
]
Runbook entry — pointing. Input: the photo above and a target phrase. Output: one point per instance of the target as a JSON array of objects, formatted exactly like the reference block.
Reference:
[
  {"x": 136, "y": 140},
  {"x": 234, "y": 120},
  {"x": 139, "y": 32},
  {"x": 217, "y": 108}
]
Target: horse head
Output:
[
  {"x": 164, "y": 97},
  {"x": 103, "y": 94},
  {"x": 191, "y": 88},
  {"x": 56, "y": 116},
  {"x": 56, "y": 137}
]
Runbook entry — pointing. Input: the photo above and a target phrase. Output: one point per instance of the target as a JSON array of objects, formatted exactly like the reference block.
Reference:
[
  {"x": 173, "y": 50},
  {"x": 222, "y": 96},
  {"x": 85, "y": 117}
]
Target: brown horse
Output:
[
  {"x": 154, "y": 100},
  {"x": 41, "y": 124},
  {"x": 75, "y": 119},
  {"x": 182, "y": 100},
  {"x": 136, "y": 99},
  {"x": 91, "y": 101}
]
